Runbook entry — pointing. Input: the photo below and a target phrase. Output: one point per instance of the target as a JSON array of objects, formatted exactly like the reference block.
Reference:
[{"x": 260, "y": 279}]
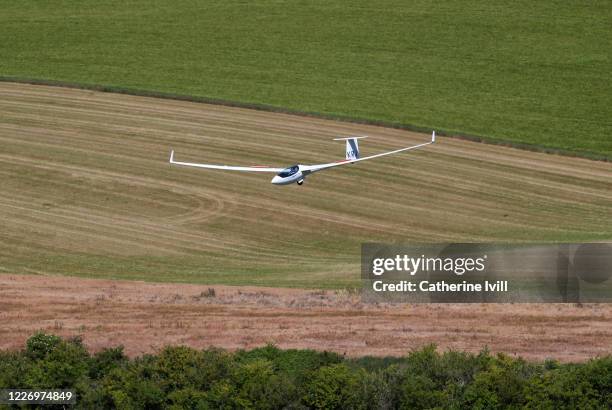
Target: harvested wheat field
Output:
[
  {"x": 146, "y": 316},
  {"x": 87, "y": 190}
]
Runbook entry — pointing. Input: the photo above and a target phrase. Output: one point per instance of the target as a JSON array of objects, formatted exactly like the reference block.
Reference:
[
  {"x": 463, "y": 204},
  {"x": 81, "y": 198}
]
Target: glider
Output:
[{"x": 297, "y": 173}]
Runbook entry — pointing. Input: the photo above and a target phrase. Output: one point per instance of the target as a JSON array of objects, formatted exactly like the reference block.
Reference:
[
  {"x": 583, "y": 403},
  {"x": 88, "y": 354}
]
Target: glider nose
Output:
[{"x": 276, "y": 180}]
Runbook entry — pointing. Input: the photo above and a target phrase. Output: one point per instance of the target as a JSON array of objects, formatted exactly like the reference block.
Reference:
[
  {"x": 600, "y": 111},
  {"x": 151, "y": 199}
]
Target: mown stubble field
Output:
[
  {"x": 144, "y": 317},
  {"x": 87, "y": 191}
]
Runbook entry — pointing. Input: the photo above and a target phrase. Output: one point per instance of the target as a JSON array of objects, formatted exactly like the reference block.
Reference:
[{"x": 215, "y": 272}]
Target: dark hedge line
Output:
[{"x": 269, "y": 378}]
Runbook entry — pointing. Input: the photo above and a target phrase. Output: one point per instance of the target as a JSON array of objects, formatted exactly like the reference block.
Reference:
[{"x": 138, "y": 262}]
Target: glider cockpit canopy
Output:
[{"x": 287, "y": 172}]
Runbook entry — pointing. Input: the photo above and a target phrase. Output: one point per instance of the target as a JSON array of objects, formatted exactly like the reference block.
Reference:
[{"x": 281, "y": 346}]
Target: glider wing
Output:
[
  {"x": 224, "y": 167},
  {"x": 319, "y": 167}
]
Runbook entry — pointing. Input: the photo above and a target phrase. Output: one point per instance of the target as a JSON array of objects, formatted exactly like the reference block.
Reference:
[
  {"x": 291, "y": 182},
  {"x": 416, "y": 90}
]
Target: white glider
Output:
[{"x": 298, "y": 173}]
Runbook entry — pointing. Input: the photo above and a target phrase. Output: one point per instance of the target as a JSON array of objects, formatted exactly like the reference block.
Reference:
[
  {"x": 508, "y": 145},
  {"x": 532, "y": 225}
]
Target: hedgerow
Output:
[{"x": 180, "y": 377}]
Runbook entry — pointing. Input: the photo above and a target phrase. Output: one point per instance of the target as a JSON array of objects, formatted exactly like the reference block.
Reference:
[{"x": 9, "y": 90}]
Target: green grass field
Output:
[{"x": 527, "y": 72}]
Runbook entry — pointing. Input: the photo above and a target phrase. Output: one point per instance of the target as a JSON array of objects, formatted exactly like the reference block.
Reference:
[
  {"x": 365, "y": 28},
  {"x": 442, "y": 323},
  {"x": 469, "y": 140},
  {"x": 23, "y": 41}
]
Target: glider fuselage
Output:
[{"x": 290, "y": 175}]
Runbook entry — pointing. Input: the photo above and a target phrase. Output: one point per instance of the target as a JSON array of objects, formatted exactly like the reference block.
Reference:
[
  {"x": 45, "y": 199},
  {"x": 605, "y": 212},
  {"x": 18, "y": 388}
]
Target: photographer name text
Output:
[{"x": 440, "y": 286}]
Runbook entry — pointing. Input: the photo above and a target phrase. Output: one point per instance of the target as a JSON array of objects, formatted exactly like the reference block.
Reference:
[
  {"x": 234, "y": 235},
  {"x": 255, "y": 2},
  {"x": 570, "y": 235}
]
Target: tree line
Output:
[{"x": 180, "y": 377}]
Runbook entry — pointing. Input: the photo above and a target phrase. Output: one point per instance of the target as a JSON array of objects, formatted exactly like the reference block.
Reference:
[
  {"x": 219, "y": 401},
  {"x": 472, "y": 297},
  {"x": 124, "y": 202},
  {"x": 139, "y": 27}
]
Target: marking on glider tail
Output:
[{"x": 352, "y": 149}]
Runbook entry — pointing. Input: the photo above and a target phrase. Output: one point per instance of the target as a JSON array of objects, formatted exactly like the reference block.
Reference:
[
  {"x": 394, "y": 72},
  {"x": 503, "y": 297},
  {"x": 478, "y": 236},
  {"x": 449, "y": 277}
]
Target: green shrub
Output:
[
  {"x": 501, "y": 385},
  {"x": 270, "y": 378},
  {"x": 57, "y": 363},
  {"x": 13, "y": 367},
  {"x": 336, "y": 387},
  {"x": 106, "y": 360},
  {"x": 382, "y": 387},
  {"x": 293, "y": 363},
  {"x": 572, "y": 386},
  {"x": 132, "y": 388},
  {"x": 41, "y": 344},
  {"x": 180, "y": 367},
  {"x": 223, "y": 395},
  {"x": 421, "y": 392},
  {"x": 259, "y": 385},
  {"x": 188, "y": 398}
]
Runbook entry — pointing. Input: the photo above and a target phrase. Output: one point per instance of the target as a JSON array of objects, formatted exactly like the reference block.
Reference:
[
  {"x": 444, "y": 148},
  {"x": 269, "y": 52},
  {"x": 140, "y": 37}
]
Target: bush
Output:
[
  {"x": 572, "y": 386},
  {"x": 260, "y": 386},
  {"x": 132, "y": 387},
  {"x": 106, "y": 360},
  {"x": 57, "y": 363},
  {"x": 382, "y": 387},
  {"x": 13, "y": 367},
  {"x": 270, "y": 378},
  {"x": 336, "y": 387},
  {"x": 501, "y": 385},
  {"x": 421, "y": 392},
  {"x": 293, "y": 364},
  {"x": 188, "y": 399},
  {"x": 181, "y": 367},
  {"x": 41, "y": 344}
]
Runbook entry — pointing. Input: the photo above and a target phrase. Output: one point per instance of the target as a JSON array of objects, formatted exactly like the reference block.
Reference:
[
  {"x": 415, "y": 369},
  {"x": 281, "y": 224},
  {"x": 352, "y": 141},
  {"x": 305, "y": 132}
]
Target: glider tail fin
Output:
[{"x": 352, "y": 147}]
